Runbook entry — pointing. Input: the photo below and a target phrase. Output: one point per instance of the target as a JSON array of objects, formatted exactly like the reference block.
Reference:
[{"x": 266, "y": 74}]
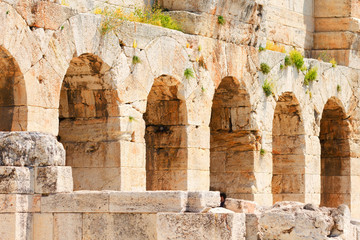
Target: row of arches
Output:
[{"x": 90, "y": 127}]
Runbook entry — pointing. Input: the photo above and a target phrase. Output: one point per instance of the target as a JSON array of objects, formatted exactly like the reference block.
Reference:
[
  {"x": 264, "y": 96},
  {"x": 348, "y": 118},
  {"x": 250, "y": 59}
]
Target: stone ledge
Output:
[{"x": 130, "y": 202}]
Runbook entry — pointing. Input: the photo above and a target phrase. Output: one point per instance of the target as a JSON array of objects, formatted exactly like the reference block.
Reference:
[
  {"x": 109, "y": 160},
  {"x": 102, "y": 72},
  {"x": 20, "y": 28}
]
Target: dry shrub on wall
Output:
[{"x": 113, "y": 18}]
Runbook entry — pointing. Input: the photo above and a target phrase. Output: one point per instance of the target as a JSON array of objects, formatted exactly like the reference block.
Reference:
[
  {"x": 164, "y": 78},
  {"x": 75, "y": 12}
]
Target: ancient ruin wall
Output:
[{"x": 64, "y": 78}]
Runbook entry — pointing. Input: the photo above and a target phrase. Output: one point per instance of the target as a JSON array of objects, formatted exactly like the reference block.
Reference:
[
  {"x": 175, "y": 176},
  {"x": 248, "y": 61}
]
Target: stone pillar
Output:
[
  {"x": 198, "y": 158},
  {"x": 32, "y": 162},
  {"x": 336, "y": 31}
]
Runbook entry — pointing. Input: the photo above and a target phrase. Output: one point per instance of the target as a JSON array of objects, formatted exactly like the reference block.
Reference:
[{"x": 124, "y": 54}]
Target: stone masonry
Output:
[{"x": 93, "y": 146}]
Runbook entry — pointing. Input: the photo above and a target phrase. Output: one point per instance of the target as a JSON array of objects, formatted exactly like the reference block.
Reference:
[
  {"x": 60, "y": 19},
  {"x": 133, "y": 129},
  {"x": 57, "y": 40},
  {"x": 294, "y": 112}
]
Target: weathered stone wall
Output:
[{"x": 145, "y": 126}]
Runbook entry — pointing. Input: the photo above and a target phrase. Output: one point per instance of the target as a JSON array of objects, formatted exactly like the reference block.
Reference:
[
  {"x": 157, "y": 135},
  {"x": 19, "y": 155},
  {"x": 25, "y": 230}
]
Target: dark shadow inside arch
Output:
[
  {"x": 13, "y": 109},
  {"x": 89, "y": 125},
  {"x": 335, "y": 155},
  {"x": 233, "y": 141},
  {"x": 166, "y": 136},
  {"x": 288, "y": 142}
]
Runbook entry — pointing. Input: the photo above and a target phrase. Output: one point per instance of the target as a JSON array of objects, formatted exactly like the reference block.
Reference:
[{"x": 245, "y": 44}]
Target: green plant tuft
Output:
[
  {"x": 203, "y": 89},
  {"x": 131, "y": 118},
  {"x": 189, "y": 73},
  {"x": 297, "y": 59},
  {"x": 287, "y": 61},
  {"x": 265, "y": 69},
  {"x": 261, "y": 48},
  {"x": 281, "y": 66},
  {"x": 136, "y": 60},
  {"x": 268, "y": 88},
  {"x": 221, "y": 20},
  {"x": 311, "y": 75},
  {"x": 7, "y": 12},
  {"x": 338, "y": 88},
  {"x": 303, "y": 68},
  {"x": 333, "y": 62},
  {"x": 262, "y": 152},
  {"x": 199, "y": 48},
  {"x": 62, "y": 27}
]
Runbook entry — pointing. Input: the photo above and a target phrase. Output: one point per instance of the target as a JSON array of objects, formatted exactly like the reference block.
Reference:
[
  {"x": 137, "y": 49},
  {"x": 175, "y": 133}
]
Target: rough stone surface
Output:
[
  {"x": 291, "y": 220},
  {"x": 148, "y": 202},
  {"x": 30, "y": 149},
  {"x": 16, "y": 180},
  {"x": 241, "y": 206},
  {"x": 201, "y": 226},
  {"x": 202, "y": 201},
  {"x": 53, "y": 180}
]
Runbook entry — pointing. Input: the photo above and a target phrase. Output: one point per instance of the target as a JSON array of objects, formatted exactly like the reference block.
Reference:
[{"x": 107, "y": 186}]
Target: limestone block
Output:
[
  {"x": 15, "y": 226},
  {"x": 15, "y": 180},
  {"x": 201, "y": 226},
  {"x": 30, "y": 149},
  {"x": 85, "y": 31},
  {"x": 252, "y": 227},
  {"x": 68, "y": 226},
  {"x": 97, "y": 178},
  {"x": 53, "y": 179},
  {"x": 198, "y": 180},
  {"x": 167, "y": 180},
  {"x": 202, "y": 200},
  {"x": 42, "y": 119},
  {"x": 326, "y": 40},
  {"x": 119, "y": 226},
  {"x": 198, "y": 159},
  {"x": 133, "y": 179},
  {"x": 12, "y": 203},
  {"x": 81, "y": 201},
  {"x": 93, "y": 154},
  {"x": 241, "y": 206},
  {"x": 43, "y": 226},
  {"x": 198, "y": 136},
  {"x": 45, "y": 15},
  {"x": 332, "y": 8},
  {"x": 147, "y": 202}
]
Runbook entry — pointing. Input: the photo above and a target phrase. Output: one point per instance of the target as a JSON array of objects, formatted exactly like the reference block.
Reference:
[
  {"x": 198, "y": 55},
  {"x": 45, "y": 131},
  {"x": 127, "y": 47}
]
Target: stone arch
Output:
[
  {"x": 288, "y": 144},
  {"x": 166, "y": 136},
  {"x": 13, "y": 109},
  {"x": 89, "y": 126},
  {"x": 335, "y": 155},
  {"x": 233, "y": 142}
]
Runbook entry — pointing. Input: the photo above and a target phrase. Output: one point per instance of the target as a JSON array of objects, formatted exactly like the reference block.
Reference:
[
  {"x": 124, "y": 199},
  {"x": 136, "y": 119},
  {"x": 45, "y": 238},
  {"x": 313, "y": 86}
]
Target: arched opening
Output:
[
  {"x": 233, "y": 142},
  {"x": 335, "y": 155},
  {"x": 13, "y": 109},
  {"x": 89, "y": 125},
  {"x": 288, "y": 143},
  {"x": 165, "y": 136}
]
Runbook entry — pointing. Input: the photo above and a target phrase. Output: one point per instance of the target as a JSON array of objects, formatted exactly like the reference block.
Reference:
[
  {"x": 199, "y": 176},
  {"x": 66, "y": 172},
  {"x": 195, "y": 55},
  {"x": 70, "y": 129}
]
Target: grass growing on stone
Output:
[
  {"x": 113, "y": 18},
  {"x": 221, "y": 20},
  {"x": 268, "y": 88},
  {"x": 311, "y": 75},
  {"x": 262, "y": 152},
  {"x": 338, "y": 88},
  {"x": 136, "y": 60},
  {"x": 189, "y": 73},
  {"x": 265, "y": 69},
  {"x": 287, "y": 61},
  {"x": 297, "y": 59}
]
